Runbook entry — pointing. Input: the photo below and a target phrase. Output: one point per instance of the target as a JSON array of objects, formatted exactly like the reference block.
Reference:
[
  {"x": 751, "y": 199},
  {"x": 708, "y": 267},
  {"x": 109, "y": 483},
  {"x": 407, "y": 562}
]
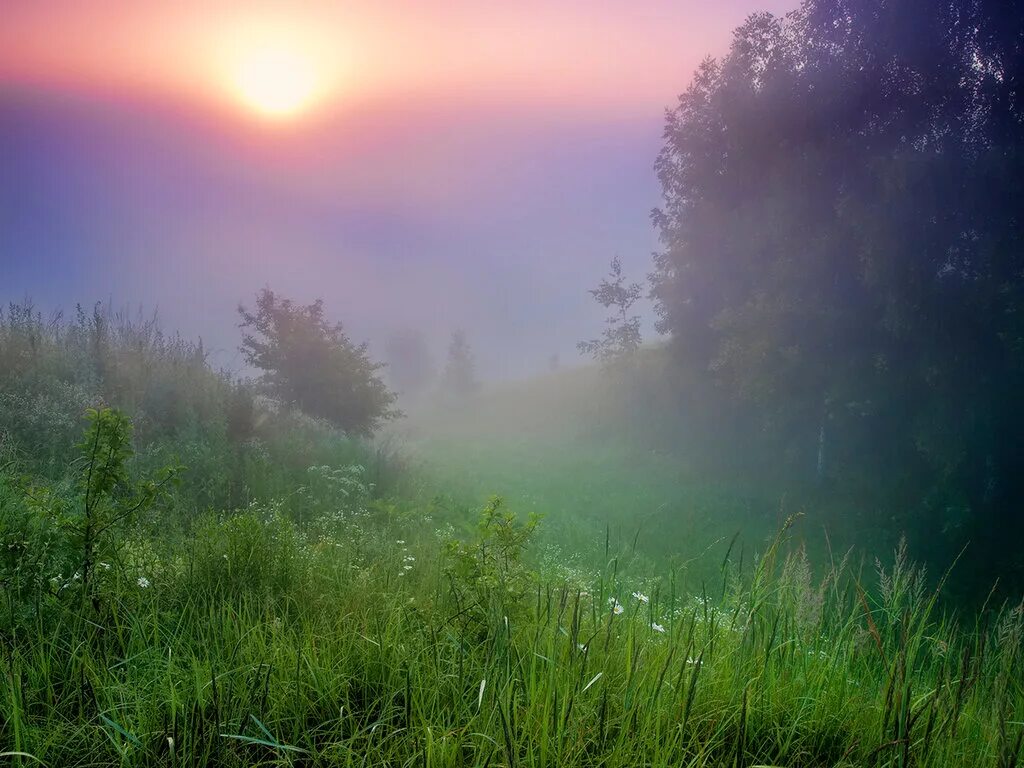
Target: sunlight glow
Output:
[
  {"x": 276, "y": 82},
  {"x": 278, "y": 69}
]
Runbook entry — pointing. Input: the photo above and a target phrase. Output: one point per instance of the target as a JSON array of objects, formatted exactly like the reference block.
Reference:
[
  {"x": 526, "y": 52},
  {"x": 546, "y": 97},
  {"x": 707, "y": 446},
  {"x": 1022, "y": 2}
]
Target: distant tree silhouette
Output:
[
  {"x": 459, "y": 381},
  {"x": 312, "y": 365},
  {"x": 410, "y": 369}
]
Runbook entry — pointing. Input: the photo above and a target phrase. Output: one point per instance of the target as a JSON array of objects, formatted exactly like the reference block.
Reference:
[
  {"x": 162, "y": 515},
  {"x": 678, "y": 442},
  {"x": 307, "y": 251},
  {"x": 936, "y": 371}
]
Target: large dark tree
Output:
[
  {"x": 311, "y": 364},
  {"x": 842, "y": 259}
]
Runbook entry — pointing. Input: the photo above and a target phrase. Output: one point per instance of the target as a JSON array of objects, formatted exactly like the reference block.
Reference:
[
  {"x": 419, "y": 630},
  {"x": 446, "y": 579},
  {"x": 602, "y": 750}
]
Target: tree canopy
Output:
[
  {"x": 311, "y": 364},
  {"x": 842, "y": 256}
]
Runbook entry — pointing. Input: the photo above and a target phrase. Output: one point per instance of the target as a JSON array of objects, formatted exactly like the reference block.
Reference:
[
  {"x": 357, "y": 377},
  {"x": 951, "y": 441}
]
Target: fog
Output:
[
  {"x": 493, "y": 213},
  {"x": 532, "y": 384},
  {"x": 140, "y": 204}
]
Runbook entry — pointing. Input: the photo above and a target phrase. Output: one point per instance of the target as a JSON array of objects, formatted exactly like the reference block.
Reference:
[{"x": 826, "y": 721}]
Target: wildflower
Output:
[
  {"x": 407, "y": 567},
  {"x": 410, "y": 559},
  {"x": 143, "y": 582},
  {"x": 400, "y": 541},
  {"x": 582, "y": 647},
  {"x": 657, "y": 627},
  {"x": 105, "y": 566},
  {"x": 641, "y": 597},
  {"x": 617, "y": 608}
]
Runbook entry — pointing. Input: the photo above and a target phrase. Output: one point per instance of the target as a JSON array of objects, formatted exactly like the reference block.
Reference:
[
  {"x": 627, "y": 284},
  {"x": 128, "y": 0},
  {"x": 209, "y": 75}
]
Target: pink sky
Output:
[
  {"x": 470, "y": 164},
  {"x": 590, "y": 55}
]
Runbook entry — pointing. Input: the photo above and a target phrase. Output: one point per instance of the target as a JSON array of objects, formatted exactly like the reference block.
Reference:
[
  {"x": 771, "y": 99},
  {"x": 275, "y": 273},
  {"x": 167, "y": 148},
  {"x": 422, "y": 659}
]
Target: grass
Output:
[
  {"x": 576, "y": 448},
  {"x": 262, "y": 646},
  {"x": 301, "y": 600}
]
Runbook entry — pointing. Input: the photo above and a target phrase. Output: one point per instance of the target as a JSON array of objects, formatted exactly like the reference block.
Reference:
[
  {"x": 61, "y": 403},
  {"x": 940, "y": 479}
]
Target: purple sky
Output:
[{"x": 457, "y": 206}]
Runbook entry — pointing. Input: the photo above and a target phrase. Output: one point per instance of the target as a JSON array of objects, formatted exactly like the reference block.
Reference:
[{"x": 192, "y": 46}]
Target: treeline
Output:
[{"x": 842, "y": 272}]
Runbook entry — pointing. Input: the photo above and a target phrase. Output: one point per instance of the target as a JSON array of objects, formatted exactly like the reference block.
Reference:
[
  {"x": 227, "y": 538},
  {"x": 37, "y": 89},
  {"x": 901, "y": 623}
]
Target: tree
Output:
[
  {"x": 842, "y": 251},
  {"x": 410, "y": 367},
  {"x": 459, "y": 379},
  {"x": 310, "y": 364},
  {"x": 621, "y": 337}
]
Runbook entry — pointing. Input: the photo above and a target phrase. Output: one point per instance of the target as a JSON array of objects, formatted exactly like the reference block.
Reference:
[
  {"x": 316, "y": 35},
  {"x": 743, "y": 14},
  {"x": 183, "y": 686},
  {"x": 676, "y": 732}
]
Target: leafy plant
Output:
[
  {"x": 104, "y": 499},
  {"x": 488, "y": 571},
  {"x": 621, "y": 337}
]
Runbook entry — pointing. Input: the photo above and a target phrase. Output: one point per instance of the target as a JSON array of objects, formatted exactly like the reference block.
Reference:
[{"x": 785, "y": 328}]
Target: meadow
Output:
[{"x": 193, "y": 576}]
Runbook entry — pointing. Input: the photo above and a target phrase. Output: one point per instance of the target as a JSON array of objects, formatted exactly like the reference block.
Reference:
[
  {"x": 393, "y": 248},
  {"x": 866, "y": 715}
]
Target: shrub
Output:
[{"x": 488, "y": 576}]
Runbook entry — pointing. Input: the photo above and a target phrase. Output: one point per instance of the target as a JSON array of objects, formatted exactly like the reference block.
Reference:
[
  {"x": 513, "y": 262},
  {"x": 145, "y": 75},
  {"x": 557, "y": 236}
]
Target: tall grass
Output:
[
  {"x": 238, "y": 446},
  {"x": 255, "y": 644},
  {"x": 283, "y": 606}
]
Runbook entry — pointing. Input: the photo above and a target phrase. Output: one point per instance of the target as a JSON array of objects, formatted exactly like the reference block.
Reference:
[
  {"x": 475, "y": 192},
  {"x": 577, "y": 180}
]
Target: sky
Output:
[{"x": 417, "y": 165}]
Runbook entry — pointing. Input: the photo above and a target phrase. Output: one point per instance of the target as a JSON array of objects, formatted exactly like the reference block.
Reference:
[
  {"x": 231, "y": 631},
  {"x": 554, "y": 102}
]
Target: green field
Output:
[{"x": 230, "y": 584}]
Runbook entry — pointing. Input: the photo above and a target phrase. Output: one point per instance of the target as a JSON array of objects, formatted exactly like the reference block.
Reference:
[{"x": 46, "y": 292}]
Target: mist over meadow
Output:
[{"x": 547, "y": 386}]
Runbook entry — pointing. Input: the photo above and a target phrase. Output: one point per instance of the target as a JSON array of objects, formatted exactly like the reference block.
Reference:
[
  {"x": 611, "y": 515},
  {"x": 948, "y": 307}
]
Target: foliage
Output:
[
  {"x": 104, "y": 500},
  {"x": 335, "y": 496},
  {"x": 257, "y": 646},
  {"x": 841, "y": 270},
  {"x": 488, "y": 572},
  {"x": 237, "y": 446},
  {"x": 316, "y": 624},
  {"x": 622, "y": 336},
  {"x": 51, "y": 370},
  {"x": 312, "y": 365},
  {"x": 254, "y": 552}
]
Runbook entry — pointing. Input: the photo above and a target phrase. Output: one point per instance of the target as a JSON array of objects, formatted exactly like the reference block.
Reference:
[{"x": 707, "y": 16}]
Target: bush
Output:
[{"x": 487, "y": 575}]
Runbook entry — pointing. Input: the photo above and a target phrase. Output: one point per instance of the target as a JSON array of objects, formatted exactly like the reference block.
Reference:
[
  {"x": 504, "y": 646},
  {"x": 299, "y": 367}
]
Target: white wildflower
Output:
[
  {"x": 657, "y": 627},
  {"x": 400, "y": 541},
  {"x": 407, "y": 567},
  {"x": 641, "y": 597},
  {"x": 143, "y": 582}
]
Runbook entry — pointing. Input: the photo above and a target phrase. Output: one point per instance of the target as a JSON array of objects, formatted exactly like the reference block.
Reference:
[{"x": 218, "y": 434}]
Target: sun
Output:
[{"x": 275, "y": 81}]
